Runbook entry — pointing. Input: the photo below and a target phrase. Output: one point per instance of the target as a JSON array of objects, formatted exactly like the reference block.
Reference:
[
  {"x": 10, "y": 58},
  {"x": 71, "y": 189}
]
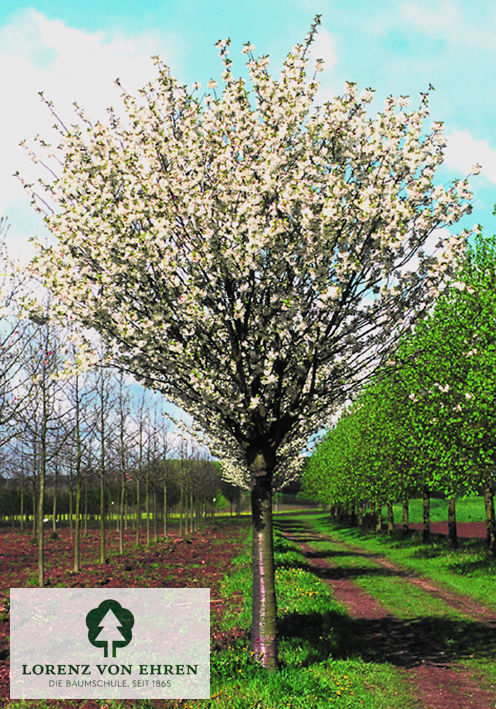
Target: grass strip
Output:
[
  {"x": 459, "y": 639},
  {"x": 319, "y": 652},
  {"x": 468, "y": 509},
  {"x": 468, "y": 570}
]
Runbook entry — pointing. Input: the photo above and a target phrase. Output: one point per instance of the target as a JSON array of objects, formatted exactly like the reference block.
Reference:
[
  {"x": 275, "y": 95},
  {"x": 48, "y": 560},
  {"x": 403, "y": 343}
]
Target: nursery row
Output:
[{"x": 425, "y": 423}]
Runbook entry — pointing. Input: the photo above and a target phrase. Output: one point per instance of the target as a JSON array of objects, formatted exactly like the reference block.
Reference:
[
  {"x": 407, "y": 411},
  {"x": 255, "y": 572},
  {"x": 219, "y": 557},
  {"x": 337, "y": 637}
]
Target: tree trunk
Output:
[
  {"x": 22, "y": 505},
  {"x": 426, "y": 516},
  {"x": 378, "y": 519},
  {"x": 360, "y": 514},
  {"x": 102, "y": 467},
  {"x": 452, "y": 533},
  {"x": 263, "y": 628},
  {"x": 155, "y": 516},
  {"x": 138, "y": 511},
  {"x": 41, "y": 490},
  {"x": 54, "y": 508},
  {"x": 122, "y": 498},
  {"x": 85, "y": 506},
  {"x": 147, "y": 505},
  {"x": 77, "y": 521},
  {"x": 71, "y": 514},
  {"x": 181, "y": 508},
  {"x": 102, "y": 515},
  {"x": 238, "y": 502},
  {"x": 406, "y": 516},
  {"x": 35, "y": 512},
  {"x": 122, "y": 446},
  {"x": 41, "y": 530},
  {"x": 390, "y": 514},
  {"x": 165, "y": 509},
  {"x": 79, "y": 454},
  {"x": 490, "y": 518}
]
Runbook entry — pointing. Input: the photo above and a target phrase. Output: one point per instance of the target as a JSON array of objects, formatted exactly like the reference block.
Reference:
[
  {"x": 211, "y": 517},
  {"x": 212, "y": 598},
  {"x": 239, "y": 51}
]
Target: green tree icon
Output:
[{"x": 110, "y": 626}]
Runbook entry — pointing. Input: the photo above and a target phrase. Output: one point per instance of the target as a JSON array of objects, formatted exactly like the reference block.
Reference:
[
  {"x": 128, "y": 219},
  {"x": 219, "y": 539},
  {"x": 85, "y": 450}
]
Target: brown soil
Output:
[
  {"x": 412, "y": 645},
  {"x": 465, "y": 530}
]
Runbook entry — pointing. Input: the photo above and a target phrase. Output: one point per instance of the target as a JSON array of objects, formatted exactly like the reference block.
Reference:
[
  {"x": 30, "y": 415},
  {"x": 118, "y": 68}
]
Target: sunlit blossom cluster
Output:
[{"x": 245, "y": 252}]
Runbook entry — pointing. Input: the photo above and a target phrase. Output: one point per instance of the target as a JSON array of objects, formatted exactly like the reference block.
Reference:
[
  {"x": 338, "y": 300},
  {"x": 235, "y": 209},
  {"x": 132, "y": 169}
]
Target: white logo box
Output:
[{"x": 151, "y": 643}]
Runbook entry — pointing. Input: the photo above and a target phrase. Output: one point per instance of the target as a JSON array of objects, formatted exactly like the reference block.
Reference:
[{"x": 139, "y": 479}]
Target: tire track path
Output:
[{"x": 417, "y": 646}]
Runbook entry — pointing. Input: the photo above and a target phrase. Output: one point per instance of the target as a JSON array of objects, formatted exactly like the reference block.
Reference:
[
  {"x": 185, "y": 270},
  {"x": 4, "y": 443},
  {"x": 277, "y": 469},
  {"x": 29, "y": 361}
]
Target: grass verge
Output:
[
  {"x": 467, "y": 570},
  {"x": 468, "y": 509},
  {"x": 319, "y": 652}
]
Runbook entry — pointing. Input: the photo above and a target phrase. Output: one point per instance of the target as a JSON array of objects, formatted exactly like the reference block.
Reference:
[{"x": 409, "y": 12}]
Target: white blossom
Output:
[{"x": 246, "y": 254}]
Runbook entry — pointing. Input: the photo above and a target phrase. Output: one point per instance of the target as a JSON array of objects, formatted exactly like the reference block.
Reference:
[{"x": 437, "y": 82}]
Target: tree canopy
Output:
[{"x": 248, "y": 254}]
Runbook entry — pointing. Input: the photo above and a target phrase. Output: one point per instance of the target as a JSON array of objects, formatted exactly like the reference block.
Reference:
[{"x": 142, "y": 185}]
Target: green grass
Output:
[
  {"x": 467, "y": 571},
  {"x": 319, "y": 651},
  {"x": 324, "y": 661},
  {"x": 468, "y": 509},
  {"x": 390, "y": 589},
  {"x": 454, "y": 636}
]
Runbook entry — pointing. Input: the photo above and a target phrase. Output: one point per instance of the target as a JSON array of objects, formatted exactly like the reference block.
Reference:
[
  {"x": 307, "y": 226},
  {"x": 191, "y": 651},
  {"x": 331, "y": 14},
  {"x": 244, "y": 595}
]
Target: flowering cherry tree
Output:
[{"x": 246, "y": 253}]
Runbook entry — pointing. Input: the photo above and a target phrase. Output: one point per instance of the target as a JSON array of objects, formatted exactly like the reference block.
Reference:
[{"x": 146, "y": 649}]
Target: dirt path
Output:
[
  {"x": 417, "y": 646},
  {"x": 463, "y": 604}
]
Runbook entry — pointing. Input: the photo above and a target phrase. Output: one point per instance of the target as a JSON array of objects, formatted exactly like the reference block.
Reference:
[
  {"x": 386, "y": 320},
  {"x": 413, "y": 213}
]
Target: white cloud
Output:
[
  {"x": 463, "y": 151},
  {"x": 68, "y": 64},
  {"x": 324, "y": 48},
  {"x": 446, "y": 21}
]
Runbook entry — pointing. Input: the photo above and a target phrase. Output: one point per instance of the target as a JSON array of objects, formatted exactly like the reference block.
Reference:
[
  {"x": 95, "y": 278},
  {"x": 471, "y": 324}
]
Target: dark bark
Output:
[
  {"x": 426, "y": 516},
  {"x": 452, "y": 532},
  {"x": 390, "y": 526},
  {"x": 406, "y": 516},
  {"x": 263, "y": 628},
  {"x": 378, "y": 518},
  {"x": 490, "y": 518}
]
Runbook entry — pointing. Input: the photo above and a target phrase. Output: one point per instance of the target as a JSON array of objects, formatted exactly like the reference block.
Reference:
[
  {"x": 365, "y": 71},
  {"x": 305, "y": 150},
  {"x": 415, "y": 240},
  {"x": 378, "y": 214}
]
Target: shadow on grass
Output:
[
  {"x": 469, "y": 566},
  {"x": 403, "y": 643},
  {"x": 438, "y": 545}
]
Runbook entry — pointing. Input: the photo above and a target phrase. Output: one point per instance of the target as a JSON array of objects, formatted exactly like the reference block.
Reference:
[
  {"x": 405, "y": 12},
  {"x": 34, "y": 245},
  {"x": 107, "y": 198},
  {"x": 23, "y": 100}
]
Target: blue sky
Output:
[{"x": 74, "y": 51}]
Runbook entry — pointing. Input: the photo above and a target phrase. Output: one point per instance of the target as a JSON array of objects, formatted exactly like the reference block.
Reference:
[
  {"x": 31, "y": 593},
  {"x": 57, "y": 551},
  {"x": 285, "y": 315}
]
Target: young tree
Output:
[
  {"x": 246, "y": 255},
  {"x": 42, "y": 417},
  {"x": 16, "y": 334},
  {"x": 450, "y": 368}
]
